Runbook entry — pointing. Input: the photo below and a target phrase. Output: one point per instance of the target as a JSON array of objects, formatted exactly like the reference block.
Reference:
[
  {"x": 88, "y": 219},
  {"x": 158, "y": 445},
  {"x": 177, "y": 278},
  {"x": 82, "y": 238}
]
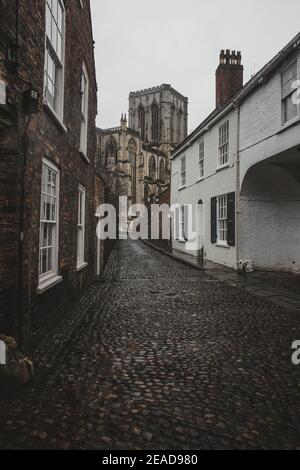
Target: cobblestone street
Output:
[{"x": 163, "y": 356}]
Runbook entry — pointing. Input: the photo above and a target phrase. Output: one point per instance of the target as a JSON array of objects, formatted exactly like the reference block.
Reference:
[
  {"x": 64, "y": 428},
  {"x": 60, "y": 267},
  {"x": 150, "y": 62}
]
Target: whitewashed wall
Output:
[
  {"x": 261, "y": 132},
  {"x": 214, "y": 183},
  {"x": 270, "y": 192}
]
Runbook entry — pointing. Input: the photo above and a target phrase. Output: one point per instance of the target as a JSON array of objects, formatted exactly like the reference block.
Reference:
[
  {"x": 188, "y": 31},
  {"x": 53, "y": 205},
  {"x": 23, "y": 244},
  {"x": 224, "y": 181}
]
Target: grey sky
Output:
[{"x": 142, "y": 43}]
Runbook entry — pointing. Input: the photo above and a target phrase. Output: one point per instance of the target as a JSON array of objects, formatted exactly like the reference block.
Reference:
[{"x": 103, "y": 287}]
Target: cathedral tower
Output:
[{"x": 160, "y": 115}]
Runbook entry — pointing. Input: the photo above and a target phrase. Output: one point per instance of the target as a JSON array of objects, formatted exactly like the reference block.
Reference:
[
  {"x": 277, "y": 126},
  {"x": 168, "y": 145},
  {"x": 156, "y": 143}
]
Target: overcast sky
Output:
[{"x": 140, "y": 44}]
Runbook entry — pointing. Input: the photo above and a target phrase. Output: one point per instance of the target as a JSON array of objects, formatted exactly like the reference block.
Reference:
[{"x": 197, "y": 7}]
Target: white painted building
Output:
[{"x": 242, "y": 167}]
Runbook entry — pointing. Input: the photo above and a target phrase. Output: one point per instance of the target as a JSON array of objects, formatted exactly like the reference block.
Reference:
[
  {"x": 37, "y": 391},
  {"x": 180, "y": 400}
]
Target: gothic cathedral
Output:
[{"x": 135, "y": 156}]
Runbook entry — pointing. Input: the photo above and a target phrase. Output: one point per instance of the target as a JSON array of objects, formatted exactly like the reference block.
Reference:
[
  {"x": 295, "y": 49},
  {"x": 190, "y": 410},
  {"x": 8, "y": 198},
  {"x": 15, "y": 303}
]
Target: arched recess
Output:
[
  {"x": 111, "y": 153},
  {"x": 141, "y": 114},
  {"x": 269, "y": 221},
  {"x": 155, "y": 122},
  {"x": 132, "y": 149},
  {"x": 152, "y": 167}
]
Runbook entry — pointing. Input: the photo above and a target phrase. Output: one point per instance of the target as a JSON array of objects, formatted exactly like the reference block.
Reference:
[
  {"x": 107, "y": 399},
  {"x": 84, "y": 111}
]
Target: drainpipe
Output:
[
  {"x": 21, "y": 332},
  {"x": 23, "y": 145},
  {"x": 238, "y": 179}
]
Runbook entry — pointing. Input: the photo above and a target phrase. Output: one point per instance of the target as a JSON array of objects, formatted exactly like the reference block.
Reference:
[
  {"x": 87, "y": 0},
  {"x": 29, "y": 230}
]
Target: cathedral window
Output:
[
  {"x": 132, "y": 161},
  {"x": 162, "y": 171},
  {"x": 179, "y": 127},
  {"x": 152, "y": 168},
  {"x": 142, "y": 121},
  {"x": 155, "y": 122},
  {"x": 111, "y": 153}
]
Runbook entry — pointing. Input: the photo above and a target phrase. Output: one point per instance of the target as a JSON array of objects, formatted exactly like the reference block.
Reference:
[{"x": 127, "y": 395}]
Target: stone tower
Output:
[{"x": 160, "y": 115}]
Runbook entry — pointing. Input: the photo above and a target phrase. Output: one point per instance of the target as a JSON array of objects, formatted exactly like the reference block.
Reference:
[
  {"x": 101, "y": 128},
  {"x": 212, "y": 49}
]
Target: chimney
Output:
[{"x": 229, "y": 76}]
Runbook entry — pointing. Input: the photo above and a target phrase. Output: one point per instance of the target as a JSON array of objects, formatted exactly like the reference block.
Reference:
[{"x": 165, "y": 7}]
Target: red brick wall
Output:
[
  {"x": 229, "y": 81},
  {"x": 45, "y": 138}
]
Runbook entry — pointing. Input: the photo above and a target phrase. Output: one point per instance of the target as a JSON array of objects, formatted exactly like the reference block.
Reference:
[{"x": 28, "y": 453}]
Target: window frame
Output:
[
  {"x": 53, "y": 273},
  {"x": 180, "y": 225},
  {"x": 81, "y": 226},
  {"x": 287, "y": 95},
  {"x": 223, "y": 139},
  {"x": 84, "y": 113},
  {"x": 182, "y": 182},
  {"x": 222, "y": 220},
  {"x": 59, "y": 64}
]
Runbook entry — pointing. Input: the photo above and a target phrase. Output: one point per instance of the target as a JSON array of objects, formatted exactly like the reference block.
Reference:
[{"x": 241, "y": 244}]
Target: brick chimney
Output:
[{"x": 229, "y": 76}]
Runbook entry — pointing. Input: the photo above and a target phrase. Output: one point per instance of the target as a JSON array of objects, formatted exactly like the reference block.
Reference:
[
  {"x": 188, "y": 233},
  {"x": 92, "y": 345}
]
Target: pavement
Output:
[
  {"x": 282, "y": 289},
  {"x": 162, "y": 356}
]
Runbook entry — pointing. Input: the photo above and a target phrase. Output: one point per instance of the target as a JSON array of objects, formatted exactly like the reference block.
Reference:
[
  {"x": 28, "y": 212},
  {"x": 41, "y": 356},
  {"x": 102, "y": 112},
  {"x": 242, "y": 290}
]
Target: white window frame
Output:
[
  {"x": 81, "y": 227},
  {"x": 84, "y": 90},
  {"x": 182, "y": 183},
  {"x": 223, "y": 158},
  {"x": 47, "y": 278},
  {"x": 222, "y": 219},
  {"x": 181, "y": 223},
  {"x": 55, "y": 102},
  {"x": 201, "y": 158},
  {"x": 286, "y": 94}
]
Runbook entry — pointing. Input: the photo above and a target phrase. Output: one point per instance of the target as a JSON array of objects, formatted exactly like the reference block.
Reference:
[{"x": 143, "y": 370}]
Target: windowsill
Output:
[
  {"x": 84, "y": 156},
  {"x": 222, "y": 167},
  {"x": 81, "y": 266},
  {"x": 181, "y": 188},
  {"x": 56, "y": 117},
  {"x": 201, "y": 178},
  {"x": 48, "y": 283},
  {"x": 222, "y": 245},
  {"x": 288, "y": 124}
]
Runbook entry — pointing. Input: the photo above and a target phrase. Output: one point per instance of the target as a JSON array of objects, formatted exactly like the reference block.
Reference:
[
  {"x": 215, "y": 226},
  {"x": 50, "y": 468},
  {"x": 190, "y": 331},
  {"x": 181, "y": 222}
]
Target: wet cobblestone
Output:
[{"x": 162, "y": 356}]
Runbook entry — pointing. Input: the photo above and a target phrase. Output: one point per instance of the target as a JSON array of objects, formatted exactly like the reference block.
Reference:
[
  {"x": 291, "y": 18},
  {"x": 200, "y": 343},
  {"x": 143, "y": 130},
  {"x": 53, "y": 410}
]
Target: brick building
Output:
[{"x": 48, "y": 104}]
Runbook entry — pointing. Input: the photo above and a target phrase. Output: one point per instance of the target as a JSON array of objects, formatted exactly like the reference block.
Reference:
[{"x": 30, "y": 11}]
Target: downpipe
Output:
[{"x": 237, "y": 190}]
